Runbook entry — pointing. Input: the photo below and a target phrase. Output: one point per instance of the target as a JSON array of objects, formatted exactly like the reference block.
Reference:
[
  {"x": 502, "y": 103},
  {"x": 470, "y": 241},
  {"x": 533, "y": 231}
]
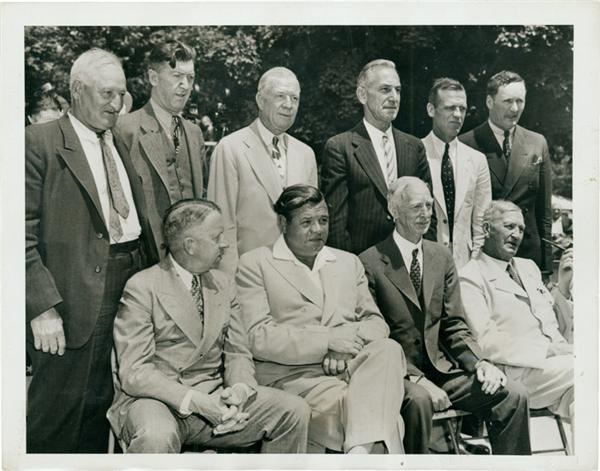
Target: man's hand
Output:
[
  {"x": 559, "y": 348},
  {"x": 48, "y": 333},
  {"x": 345, "y": 339},
  {"x": 237, "y": 395},
  {"x": 235, "y": 424},
  {"x": 490, "y": 377},
  {"x": 438, "y": 395},
  {"x": 565, "y": 273},
  {"x": 336, "y": 363},
  {"x": 212, "y": 407}
]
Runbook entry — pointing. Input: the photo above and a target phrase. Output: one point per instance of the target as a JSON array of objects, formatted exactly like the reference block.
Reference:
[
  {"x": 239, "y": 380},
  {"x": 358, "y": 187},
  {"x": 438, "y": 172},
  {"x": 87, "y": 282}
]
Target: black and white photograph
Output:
[{"x": 270, "y": 235}]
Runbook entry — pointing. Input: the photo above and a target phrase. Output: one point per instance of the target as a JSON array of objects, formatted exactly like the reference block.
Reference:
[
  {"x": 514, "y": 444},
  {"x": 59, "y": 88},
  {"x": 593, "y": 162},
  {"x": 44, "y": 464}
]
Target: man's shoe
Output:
[{"x": 472, "y": 448}]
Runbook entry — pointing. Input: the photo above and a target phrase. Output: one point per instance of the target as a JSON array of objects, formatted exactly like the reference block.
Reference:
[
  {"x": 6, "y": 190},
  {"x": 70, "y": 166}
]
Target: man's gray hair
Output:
[
  {"x": 184, "y": 214},
  {"x": 397, "y": 188},
  {"x": 87, "y": 61},
  {"x": 362, "y": 79},
  {"x": 274, "y": 73},
  {"x": 497, "y": 208}
]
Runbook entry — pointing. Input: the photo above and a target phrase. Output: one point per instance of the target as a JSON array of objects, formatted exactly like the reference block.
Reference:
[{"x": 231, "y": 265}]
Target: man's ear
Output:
[
  {"x": 489, "y": 102},
  {"x": 76, "y": 89},
  {"x": 361, "y": 94},
  {"x": 259, "y": 100},
  {"x": 430, "y": 109},
  {"x": 153, "y": 77},
  {"x": 486, "y": 229},
  {"x": 281, "y": 220},
  {"x": 188, "y": 245}
]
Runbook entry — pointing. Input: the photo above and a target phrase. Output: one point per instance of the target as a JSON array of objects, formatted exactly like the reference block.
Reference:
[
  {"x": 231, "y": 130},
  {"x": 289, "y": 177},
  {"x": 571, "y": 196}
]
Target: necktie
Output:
[
  {"x": 448, "y": 186},
  {"x": 390, "y": 167},
  {"x": 196, "y": 291},
  {"x": 176, "y": 134},
  {"x": 513, "y": 274},
  {"x": 415, "y": 271},
  {"x": 118, "y": 202},
  {"x": 506, "y": 145},
  {"x": 277, "y": 158}
]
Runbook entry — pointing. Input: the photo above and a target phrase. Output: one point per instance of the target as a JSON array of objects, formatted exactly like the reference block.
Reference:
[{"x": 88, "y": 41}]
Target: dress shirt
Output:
[
  {"x": 376, "y": 137},
  {"x": 164, "y": 118},
  {"x": 439, "y": 147},
  {"x": 267, "y": 138},
  {"x": 325, "y": 255},
  {"x": 406, "y": 248},
  {"x": 499, "y": 134},
  {"x": 93, "y": 153}
]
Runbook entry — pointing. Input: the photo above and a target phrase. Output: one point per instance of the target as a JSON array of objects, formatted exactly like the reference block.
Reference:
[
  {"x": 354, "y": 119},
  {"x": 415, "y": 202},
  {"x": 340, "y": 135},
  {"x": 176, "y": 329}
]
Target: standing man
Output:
[
  {"x": 520, "y": 168},
  {"x": 359, "y": 164},
  {"x": 251, "y": 167},
  {"x": 415, "y": 284},
  {"x": 185, "y": 374},
  {"x": 85, "y": 213},
  {"x": 460, "y": 175},
  {"x": 166, "y": 149}
]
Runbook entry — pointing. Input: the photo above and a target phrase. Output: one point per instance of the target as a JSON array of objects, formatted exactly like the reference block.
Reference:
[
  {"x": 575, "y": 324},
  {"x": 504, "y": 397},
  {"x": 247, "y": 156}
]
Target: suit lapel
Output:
[
  {"x": 260, "y": 161},
  {"x": 484, "y": 136},
  {"x": 294, "y": 163},
  {"x": 213, "y": 307},
  {"x": 194, "y": 147},
  {"x": 517, "y": 161},
  {"x": 464, "y": 175},
  {"x": 431, "y": 266},
  {"x": 396, "y": 271},
  {"x": 500, "y": 278},
  {"x": 75, "y": 159},
  {"x": 151, "y": 140},
  {"x": 328, "y": 276},
  {"x": 296, "y": 278},
  {"x": 367, "y": 158}
]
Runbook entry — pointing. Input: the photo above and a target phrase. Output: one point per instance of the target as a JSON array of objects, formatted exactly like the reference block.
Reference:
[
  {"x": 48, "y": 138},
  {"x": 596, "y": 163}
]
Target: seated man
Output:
[
  {"x": 415, "y": 285},
  {"x": 511, "y": 313},
  {"x": 184, "y": 372},
  {"x": 315, "y": 331}
]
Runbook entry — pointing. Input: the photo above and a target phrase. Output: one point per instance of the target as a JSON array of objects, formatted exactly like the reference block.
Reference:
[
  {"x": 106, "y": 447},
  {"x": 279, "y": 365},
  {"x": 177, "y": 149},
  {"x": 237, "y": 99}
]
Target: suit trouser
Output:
[
  {"x": 70, "y": 394},
  {"x": 277, "y": 418}
]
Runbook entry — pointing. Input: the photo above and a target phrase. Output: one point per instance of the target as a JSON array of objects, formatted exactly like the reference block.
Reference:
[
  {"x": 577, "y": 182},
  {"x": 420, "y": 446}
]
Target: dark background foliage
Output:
[{"x": 327, "y": 60}]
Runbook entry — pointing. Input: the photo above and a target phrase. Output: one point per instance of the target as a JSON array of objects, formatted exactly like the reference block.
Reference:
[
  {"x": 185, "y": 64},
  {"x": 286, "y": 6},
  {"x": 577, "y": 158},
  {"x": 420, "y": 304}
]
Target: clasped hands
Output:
[
  {"x": 344, "y": 344},
  {"x": 225, "y": 409}
]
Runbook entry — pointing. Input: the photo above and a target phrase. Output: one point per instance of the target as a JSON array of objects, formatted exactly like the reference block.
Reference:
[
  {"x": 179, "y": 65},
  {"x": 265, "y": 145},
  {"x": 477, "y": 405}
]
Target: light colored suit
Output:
[
  {"x": 515, "y": 326},
  {"x": 473, "y": 193},
  {"x": 244, "y": 183},
  {"x": 288, "y": 321},
  {"x": 163, "y": 351}
]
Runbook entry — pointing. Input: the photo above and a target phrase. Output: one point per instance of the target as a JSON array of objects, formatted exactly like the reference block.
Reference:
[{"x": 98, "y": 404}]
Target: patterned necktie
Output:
[
  {"x": 513, "y": 274},
  {"x": 448, "y": 186},
  {"x": 277, "y": 158},
  {"x": 415, "y": 271},
  {"x": 390, "y": 167},
  {"x": 196, "y": 291},
  {"x": 506, "y": 150},
  {"x": 176, "y": 134},
  {"x": 118, "y": 202}
]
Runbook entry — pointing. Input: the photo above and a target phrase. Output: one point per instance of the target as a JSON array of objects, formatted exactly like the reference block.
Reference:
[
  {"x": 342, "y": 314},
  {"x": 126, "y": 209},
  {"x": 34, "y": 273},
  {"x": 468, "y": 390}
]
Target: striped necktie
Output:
[
  {"x": 388, "y": 155},
  {"x": 196, "y": 291},
  {"x": 277, "y": 158},
  {"x": 176, "y": 134}
]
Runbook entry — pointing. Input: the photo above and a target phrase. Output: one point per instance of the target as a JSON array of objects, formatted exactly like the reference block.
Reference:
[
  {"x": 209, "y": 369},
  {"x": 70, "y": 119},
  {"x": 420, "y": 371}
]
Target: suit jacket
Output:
[
  {"x": 513, "y": 325},
  {"x": 244, "y": 183},
  {"x": 67, "y": 240},
  {"x": 527, "y": 183},
  {"x": 288, "y": 321},
  {"x": 449, "y": 345},
  {"x": 143, "y": 136},
  {"x": 355, "y": 188},
  {"x": 473, "y": 193},
  {"x": 161, "y": 350}
]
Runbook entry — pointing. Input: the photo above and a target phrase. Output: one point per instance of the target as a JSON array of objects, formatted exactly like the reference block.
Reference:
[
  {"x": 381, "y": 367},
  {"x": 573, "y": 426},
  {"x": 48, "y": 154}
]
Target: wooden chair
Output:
[{"x": 534, "y": 413}]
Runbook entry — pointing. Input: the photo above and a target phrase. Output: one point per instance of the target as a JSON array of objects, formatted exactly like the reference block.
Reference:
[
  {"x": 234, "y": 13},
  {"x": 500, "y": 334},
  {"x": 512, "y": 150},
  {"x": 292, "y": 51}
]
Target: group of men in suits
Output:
[{"x": 105, "y": 199}]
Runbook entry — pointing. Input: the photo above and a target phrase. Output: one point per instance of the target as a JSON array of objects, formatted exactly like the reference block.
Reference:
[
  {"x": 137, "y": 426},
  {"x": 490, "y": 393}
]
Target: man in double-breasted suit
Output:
[
  {"x": 520, "y": 169},
  {"x": 358, "y": 164},
  {"x": 511, "y": 313},
  {"x": 315, "y": 331},
  {"x": 460, "y": 175},
  {"x": 414, "y": 283},
  {"x": 251, "y": 167},
  {"x": 166, "y": 149},
  {"x": 184, "y": 374},
  {"x": 85, "y": 236}
]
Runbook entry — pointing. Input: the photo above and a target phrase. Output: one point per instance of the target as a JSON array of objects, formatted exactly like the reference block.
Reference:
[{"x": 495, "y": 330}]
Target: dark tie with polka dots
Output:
[
  {"x": 415, "y": 271},
  {"x": 448, "y": 186}
]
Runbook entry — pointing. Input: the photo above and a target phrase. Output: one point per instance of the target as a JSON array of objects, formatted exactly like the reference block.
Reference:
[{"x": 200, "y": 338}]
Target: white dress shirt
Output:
[
  {"x": 377, "y": 140},
  {"x": 499, "y": 133},
  {"x": 93, "y": 153},
  {"x": 406, "y": 248},
  {"x": 267, "y": 137},
  {"x": 440, "y": 147}
]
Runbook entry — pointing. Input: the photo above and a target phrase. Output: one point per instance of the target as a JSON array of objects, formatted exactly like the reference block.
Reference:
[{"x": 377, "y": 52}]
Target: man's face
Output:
[
  {"x": 504, "y": 235},
  {"x": 278, "y": 103},
  {"x": 380, "y": 97},
  {"x": 412, "y": 212},
  {"x": 205, "y": 243},
  {"x": 307, "y": 231},
  {"x": 449, "y": 114},
  {"x": 171, "y": 88},
  {"x": 98, "y": 99},
  {"x": 507, "y": 106}
]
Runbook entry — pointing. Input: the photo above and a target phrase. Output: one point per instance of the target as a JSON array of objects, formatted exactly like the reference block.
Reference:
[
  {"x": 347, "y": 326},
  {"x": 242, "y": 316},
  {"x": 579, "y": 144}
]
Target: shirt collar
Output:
[
  {"x": 373, "y": 131},
  {"x": 440, "y": 145},
  {"x": 501, "y": 264},
  {"x": 500, "y": 132},
  {"x": 164, "y": 117},
  {"x": 406, "y": 246},
  {"x": 282, "y": 251},
  {"x": 267, "y": 136},
  {"x": 83, "y": 132},
  {"x": 185, "y": 275}
]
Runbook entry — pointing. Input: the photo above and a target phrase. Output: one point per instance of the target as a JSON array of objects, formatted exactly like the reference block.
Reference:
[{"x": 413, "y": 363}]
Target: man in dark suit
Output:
[
  {"x": 415, "y": 284},
  {"x": 166, "y": 149},
  {"x": 85, "y": 214},
  {"x": 359, "y": 164},
  {"x": 520, "y": 169}
]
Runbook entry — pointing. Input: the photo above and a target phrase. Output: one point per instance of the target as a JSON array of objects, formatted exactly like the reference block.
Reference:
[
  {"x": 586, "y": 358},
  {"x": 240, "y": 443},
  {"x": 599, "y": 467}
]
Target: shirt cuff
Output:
[{"x": 184, "y": 407}]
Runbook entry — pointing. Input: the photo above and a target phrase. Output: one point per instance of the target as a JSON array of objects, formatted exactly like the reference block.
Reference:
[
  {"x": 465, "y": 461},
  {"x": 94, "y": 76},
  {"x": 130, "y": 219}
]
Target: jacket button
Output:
[
  {"x": 525, "y": 210},
  {"x": 417, "y": 341},
  {"x": 445, "y": 221},
  {"x": 99, "y": 235},
  {"x": 97, "y": 269}
]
